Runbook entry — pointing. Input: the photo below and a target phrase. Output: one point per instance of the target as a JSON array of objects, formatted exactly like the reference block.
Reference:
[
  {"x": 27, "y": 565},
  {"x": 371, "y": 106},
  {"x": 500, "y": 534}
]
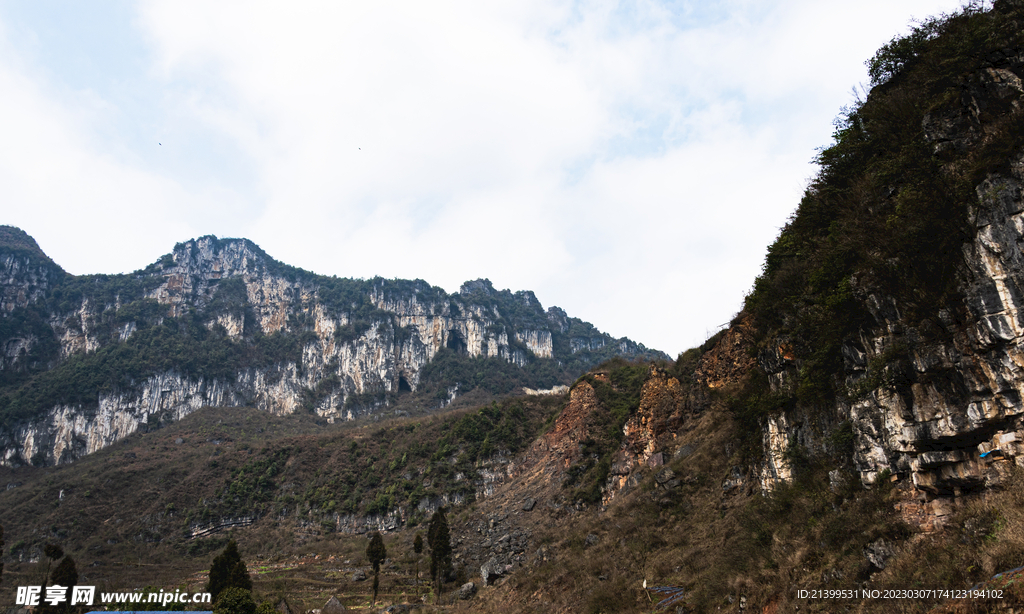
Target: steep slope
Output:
[
  {"x": 889, "y": 307},
  {"x": 283, "y": 484},
  {"x": 90, "y": 359},
  {"x": 26, "y": 275}
]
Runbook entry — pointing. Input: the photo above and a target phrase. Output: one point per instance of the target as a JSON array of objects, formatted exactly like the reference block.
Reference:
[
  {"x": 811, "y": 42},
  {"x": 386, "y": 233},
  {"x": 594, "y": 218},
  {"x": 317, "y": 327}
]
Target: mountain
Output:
[
  {"x": 90, "y": 359},
  {"x": 852, "y": 442},
  {"x": 890, "y": 307}
]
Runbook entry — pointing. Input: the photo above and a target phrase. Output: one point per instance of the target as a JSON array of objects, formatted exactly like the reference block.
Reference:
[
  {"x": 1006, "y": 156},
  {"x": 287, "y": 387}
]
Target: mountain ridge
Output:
[{"x": 220, "y": 322}]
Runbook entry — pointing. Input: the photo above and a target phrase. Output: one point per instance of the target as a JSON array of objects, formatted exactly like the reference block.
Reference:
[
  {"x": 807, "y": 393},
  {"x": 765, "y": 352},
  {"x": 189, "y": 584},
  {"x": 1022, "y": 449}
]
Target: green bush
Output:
[{"x": 235, "y": 600}]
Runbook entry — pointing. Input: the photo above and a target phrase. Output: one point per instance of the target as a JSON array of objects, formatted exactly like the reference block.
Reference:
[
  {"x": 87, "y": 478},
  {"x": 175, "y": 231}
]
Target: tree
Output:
[
  {"x": 1, "y": 551},
  {"x": 376, "y": 553},
  {"x": 235, "y": 600},
  {"x": 227, "y": 570},
  {"x": 439, "y": 541},
  {"x": 52, "y": 552},
  {"x": 266, "y": 607},
  {"x": 66, "y": 575},
  {"x": 417, "y": 547}
]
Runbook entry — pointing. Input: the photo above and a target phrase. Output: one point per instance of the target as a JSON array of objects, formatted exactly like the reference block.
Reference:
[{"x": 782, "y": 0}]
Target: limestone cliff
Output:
[
  {"x": 887, "y": 326},
  {"x": 89, "y": 360},
  {"x": 949, "y": 415},
  {"x": 25, "y": 271}
]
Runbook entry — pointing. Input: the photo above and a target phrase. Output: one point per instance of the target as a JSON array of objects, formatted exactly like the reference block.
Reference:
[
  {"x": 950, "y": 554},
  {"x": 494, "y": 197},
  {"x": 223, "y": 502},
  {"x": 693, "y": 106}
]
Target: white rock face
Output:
[
  {"x": 776, "y": 441},
  {"x": 234, "y": 324},
  {"x": 76, "y": 330},
  {"x": 69, "y": 432},
  {"x": 365, "y": 358},
  {"x": 583, "y": 344},
  {"x": 959, "y": 422},
  {"x": 22, "y": 282},
  {"x": 546, "y": 392},
  {"x": 538, "y": 341}
]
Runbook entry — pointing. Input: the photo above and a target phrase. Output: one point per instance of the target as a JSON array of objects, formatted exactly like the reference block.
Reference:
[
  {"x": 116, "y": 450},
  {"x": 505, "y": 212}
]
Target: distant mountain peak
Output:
[
  {"x": 16, "y": 241},
  {"x": 218, "y": 322}
]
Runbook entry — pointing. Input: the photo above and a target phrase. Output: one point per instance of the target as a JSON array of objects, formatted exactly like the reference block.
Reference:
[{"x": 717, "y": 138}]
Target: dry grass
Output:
[
  {"x": 124, "y": 512},
  {"x": 724, "y": 546},
  {"x": 721, "y": 545}
]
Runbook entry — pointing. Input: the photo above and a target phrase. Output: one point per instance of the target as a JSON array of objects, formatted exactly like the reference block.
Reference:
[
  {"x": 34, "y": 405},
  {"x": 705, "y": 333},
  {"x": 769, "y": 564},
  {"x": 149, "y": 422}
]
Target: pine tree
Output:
[
  {"x": 228, "y": 570},
  {"x": 376, "y": 553},
  {"x": 439, "y": 541}
]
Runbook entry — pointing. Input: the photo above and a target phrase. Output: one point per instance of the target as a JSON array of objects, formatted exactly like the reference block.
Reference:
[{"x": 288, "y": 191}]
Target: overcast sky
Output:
[{"x": 628, "y": 162}]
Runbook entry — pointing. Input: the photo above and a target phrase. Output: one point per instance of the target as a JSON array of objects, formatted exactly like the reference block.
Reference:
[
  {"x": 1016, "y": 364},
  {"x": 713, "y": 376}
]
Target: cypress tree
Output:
[
  {"x": 52, "y": 552},
  {"x": 228, "y": 570},
  {"x": 64, "y": 574},
  {"x": 376, "y": 553},
  {"x": 439, "y": 541},
  {"x": 417, "y": 547}
]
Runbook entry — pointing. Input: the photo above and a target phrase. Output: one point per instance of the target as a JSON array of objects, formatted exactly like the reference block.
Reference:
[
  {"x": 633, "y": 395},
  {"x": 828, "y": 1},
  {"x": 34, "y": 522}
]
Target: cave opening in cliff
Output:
[
  {"x": 456, "y": 342},
  {"x": 403, "y": 385}
]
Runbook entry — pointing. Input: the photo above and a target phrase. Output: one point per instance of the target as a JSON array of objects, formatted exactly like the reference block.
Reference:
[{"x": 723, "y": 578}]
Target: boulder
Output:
[
  {"x": 684, "y": 451},
  {"x": 358, "y": 575},
  {"x": 492, "y": 570},
  {"x": 401, "y": 608},
  {"x": 283, "y": 607},
  {"x": 466, "y": 591},
  {"x": 333, "y": 606},
  {"x": 879, "y": 552},
  {"x": 529, "y": 504}
]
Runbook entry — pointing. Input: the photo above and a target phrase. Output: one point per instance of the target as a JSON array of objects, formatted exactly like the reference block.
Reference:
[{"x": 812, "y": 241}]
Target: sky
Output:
[{"x": 629, "y": 162}]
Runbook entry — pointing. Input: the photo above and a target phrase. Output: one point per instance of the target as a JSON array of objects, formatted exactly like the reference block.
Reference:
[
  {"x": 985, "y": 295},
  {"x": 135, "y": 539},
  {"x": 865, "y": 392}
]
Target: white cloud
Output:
[
  {"x": 628, "y": 162},
  {"x": 80, "y": 198}
]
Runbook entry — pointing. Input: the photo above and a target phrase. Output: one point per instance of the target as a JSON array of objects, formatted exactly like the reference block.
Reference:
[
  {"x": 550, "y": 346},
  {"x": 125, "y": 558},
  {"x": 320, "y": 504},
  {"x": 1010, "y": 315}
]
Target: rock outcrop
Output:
[
  {"x": 926, "y": 395},
  {"x": 955, "y": 419},
  {"x": 26, "y": 274}
]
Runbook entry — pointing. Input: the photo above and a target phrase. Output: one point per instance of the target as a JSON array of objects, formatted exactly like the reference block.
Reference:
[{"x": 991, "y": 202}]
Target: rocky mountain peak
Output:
[
  {"x": 26, "y": 273},
  {"x": 477, "y": 286}
]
